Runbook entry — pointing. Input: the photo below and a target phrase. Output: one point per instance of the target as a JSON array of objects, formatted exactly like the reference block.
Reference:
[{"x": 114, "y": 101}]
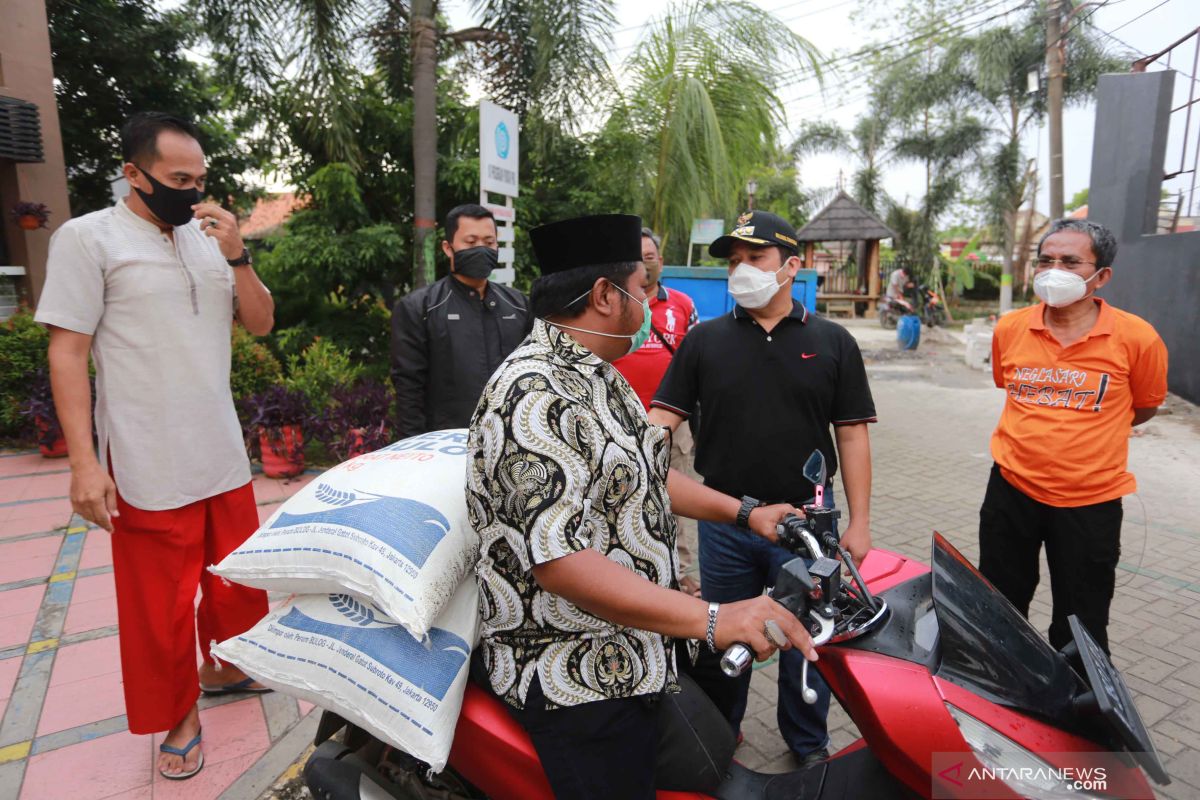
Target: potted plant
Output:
[
  {"x": 40, "y": 408},
  {"x": 276, "y": 416},
  {"x": 31, "y": 216},
  {"x": 357, "y": 419}
]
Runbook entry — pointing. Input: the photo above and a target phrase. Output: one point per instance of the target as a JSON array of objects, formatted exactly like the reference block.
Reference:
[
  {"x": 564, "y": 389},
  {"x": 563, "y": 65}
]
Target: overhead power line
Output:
[
  {"x": 961, "y": 29},
  {"x": 953, "y": 25},
  {"x": 1139, "y": 16}
]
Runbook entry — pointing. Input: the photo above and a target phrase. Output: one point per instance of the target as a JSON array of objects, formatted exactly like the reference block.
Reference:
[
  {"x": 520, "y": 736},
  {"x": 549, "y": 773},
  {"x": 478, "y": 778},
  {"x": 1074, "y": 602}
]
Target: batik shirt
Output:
[{"x": 562, "y": 459}]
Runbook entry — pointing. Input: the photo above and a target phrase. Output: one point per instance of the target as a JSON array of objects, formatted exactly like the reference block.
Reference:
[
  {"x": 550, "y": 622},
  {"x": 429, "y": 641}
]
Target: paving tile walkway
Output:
[{"x": 63, "y": 732}]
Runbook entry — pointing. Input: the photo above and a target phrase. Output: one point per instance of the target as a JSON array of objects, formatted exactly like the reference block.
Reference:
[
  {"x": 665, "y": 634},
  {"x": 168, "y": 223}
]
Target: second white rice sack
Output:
[
  {"x": 388, "y": 527},
  {"x": 344, "y": 656}
]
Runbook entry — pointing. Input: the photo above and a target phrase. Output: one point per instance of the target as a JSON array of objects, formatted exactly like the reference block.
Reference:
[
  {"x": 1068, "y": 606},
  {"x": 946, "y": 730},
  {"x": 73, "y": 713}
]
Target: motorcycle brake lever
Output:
[{"x": 807, "y": 693}]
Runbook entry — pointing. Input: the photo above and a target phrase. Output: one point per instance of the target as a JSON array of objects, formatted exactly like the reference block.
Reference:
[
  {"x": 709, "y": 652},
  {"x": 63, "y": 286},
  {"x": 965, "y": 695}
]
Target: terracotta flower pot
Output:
[
  {"x": 29, "y": 222},
  {"x": 355, "y": 446},
  {"x": 282, "y": 451},
  {"x": 58, "y": 449}
]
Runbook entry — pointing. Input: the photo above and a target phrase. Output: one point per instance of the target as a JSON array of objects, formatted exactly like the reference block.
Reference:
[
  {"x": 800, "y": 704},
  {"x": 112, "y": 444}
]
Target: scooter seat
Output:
[
  {"x": 853, "y": 774},
  {"x": 743, "y": 783}
]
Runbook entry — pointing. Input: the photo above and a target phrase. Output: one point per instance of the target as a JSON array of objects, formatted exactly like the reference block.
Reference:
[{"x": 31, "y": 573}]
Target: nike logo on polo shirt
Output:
[{"x": 808, "y": 355}]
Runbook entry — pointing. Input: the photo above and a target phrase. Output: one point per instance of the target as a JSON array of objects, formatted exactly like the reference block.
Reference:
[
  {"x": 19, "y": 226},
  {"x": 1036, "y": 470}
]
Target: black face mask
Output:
[
  {"x": 172, "y": 206},
  {"x": 475, "y": 262}
]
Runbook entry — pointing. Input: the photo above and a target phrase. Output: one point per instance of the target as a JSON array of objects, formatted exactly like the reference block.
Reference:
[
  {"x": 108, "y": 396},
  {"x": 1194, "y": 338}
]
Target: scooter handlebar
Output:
[
  {"x": 739, "y": 656},
  {"x": 737, "y": 659}
]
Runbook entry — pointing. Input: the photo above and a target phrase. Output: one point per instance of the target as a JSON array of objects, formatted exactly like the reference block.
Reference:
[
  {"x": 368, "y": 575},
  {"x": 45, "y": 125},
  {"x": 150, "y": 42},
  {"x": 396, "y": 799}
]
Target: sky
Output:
[{"x": 841, "y": 26}]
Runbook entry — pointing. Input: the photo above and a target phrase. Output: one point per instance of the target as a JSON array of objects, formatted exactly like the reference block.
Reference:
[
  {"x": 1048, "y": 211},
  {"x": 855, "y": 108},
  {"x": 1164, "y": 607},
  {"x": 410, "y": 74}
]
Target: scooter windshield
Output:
[{"x": 989, "y": 648}]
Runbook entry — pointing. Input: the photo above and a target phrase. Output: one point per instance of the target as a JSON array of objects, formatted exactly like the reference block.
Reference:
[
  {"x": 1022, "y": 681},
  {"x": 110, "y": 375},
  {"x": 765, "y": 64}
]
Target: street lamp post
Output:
[{"x": 751, "y": 188}]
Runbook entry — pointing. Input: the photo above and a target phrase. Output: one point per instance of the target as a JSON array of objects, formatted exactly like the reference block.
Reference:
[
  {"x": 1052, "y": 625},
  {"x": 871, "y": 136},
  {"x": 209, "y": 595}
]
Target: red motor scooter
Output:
[{"x": 955, "y": 694}]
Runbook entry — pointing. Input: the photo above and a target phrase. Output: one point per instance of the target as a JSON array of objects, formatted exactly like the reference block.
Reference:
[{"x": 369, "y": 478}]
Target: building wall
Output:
[
  {"x": 1156, "y": 276},
  {"x": 26, "y": 73}
]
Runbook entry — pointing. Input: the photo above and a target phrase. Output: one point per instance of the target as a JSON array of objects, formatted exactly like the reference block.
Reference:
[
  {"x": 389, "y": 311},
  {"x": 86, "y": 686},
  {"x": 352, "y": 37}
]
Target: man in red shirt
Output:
[{"x": 673, "y": 314}]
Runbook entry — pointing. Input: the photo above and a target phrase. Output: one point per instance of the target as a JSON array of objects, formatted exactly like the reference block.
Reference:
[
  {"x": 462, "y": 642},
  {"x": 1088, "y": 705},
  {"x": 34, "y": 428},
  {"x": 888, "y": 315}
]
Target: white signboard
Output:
[
  {"x": 704, "y": 231},
  {"x": 707, "y": 231},
  {"x": 498, "y": 149}
]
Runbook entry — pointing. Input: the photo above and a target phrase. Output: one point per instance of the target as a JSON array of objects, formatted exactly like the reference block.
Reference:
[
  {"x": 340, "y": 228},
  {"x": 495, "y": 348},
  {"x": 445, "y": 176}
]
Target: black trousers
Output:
[
  {"x": 1083, "y": 545},
  {"x": 629, "y": 747}
]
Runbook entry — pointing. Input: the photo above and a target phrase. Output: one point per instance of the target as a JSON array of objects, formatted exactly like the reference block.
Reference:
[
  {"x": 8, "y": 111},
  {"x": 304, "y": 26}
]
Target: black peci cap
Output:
[
  {"x": 759, "y": 228},
  {"x": 586, "y": 241}
]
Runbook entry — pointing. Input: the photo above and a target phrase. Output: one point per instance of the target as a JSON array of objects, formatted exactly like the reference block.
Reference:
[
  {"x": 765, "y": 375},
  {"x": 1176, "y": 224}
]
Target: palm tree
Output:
[
  {"x": 546, "y": 54},
  {"x": 703, "y": 80},
  {"x": 993, "y": 67},
  {"x": 929, "y": 124},
  {"x": 866, "y": 142},
  {"x": 547, "y": 57},
  {"x": 945, "y": 147}
]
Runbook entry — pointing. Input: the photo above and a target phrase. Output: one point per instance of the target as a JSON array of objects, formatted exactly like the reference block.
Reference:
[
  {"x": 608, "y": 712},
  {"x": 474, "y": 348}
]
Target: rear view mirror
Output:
[{"x": 814, "y": 469}]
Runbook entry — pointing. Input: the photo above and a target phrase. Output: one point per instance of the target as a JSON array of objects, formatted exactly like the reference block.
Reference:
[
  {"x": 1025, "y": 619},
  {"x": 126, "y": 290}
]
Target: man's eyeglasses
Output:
[{"x": 1046, "y": 261}]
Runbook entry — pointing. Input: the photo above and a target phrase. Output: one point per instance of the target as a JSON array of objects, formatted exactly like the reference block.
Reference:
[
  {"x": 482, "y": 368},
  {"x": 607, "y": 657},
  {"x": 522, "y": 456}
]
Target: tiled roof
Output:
[
  {"x": 844, "y": 220},
  {"x": 269, "y": 214}
]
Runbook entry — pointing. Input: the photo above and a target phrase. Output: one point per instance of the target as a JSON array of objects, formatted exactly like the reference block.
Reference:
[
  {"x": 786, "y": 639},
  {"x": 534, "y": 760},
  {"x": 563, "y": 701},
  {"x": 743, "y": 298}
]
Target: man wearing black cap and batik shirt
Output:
[
  {"x": 771, "y": 380},
  {"x": 568, "y": 488}
]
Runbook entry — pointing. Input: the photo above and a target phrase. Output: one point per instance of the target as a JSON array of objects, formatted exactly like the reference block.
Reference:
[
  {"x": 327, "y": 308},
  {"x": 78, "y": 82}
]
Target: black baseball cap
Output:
[{"x": 760, "y": 228}]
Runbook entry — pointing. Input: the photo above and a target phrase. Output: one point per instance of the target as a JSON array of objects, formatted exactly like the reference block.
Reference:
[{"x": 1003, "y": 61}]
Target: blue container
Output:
[
  {"x": 709, "y": 288},
  {"x": 908, "y": 332}
]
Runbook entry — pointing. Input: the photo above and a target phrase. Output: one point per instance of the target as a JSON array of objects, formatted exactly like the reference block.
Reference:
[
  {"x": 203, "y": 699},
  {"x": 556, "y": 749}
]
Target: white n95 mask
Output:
[
  {"x": 753, "y": 288},
  {"x": 1058, "y": 287}
]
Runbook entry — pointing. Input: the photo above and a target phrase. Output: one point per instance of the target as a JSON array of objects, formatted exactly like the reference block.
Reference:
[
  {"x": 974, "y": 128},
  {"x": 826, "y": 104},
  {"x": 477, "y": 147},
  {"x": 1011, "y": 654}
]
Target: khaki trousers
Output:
[{"x": 688, "y": 544}]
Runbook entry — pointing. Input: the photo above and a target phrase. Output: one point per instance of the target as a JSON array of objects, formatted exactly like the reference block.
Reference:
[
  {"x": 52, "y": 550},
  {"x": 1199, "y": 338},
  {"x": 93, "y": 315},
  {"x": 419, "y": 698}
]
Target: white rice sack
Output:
[
  {"x": 345, "y": 656},
  {"x": 388, "y": 527}
]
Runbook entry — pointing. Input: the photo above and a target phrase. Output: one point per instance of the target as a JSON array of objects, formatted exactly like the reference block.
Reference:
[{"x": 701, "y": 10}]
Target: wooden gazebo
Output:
[{"x": 844, "y": 220}]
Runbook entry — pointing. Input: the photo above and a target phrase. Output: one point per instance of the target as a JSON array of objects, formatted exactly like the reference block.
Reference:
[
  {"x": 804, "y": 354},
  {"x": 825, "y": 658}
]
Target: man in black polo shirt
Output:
[{"x": 771, "y": 380}]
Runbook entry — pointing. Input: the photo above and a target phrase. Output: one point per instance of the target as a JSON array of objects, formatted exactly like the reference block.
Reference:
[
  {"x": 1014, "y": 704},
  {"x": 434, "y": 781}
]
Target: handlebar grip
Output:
[{"x": 737, "y": 659}]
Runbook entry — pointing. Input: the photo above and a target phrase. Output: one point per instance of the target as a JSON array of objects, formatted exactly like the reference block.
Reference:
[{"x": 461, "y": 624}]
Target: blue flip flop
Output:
[
  {"x": 234, "y": 688},
  {"x": 182, "y": 752}
]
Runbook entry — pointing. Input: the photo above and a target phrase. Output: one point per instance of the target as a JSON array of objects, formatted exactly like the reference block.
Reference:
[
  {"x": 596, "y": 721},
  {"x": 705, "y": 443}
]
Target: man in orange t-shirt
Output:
[{"x": 1079, "y": 375}]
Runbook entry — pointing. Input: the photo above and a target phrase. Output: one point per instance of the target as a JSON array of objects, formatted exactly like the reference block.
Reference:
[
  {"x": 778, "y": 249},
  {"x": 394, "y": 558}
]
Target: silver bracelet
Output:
[{"x": 711, "y": 633}]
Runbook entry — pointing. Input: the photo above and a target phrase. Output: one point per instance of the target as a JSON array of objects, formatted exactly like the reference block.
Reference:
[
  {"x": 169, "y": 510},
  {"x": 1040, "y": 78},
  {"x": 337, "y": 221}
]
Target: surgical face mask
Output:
[
  {"x": 172, "y": 206},
  {"x": 753, "y": 288},
  {"x": 636, "y": 339},
  {"x": 1059, "y": 287},
  {"x": 475, "y": 262},
  {"x": 643, "y": 332},
  {"x": 653, "y": 269}
]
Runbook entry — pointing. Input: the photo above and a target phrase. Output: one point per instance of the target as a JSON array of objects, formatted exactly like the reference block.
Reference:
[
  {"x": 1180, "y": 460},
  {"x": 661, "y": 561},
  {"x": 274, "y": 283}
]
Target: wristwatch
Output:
[
  {"x": 241, "y": 261},
  {"x": 743, "y": 515}
]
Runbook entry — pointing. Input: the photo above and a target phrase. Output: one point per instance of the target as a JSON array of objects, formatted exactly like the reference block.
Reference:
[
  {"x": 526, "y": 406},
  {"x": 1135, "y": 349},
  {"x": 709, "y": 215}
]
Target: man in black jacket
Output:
[{"x": 448, "y": 338}]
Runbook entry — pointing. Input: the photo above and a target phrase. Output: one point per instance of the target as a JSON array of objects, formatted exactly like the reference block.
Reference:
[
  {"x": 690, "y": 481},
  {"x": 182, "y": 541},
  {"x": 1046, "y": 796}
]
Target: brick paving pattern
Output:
[
  {"x": 63, "y": 731},
  {"x": 62, "y": 710}
]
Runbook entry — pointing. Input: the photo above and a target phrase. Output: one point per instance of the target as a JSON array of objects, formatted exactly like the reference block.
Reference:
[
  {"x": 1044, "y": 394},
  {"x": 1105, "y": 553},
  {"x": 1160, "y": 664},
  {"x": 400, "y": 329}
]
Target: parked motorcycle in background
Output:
[
  {"x": 920, "y": 301},
  {"x": 933, "y": 310}
]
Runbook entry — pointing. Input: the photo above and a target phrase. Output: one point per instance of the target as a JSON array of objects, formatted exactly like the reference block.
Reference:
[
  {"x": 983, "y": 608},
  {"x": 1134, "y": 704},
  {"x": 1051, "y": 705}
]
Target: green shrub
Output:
[
  {"x": 361, "y": 327},
  {"x": 254, "y": 368},
  {"x": 23, "y": 345},
  {"x": 321, "y": 368}
]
